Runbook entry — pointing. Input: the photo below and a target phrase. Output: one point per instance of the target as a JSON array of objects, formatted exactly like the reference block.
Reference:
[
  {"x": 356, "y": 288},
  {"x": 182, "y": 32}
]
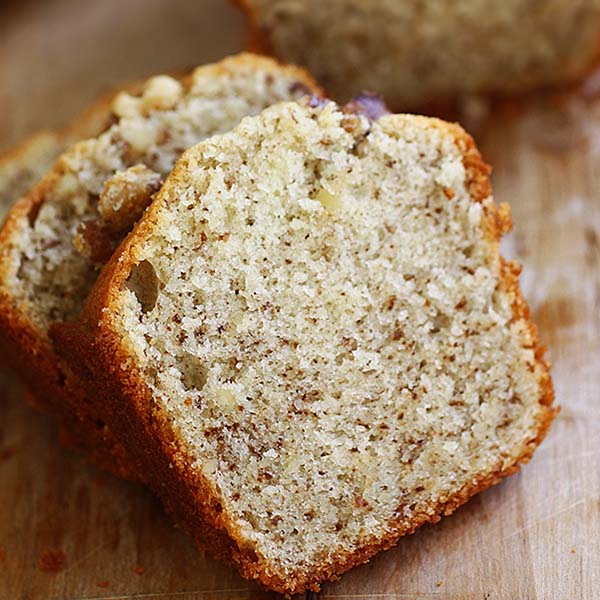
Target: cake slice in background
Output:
[{"x": 420, "y": 53}]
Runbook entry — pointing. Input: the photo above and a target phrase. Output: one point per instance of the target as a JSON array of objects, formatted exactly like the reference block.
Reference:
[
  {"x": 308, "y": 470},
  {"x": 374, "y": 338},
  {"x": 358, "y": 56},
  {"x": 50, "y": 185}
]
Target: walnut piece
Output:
[{"x": 125, "y": 196}]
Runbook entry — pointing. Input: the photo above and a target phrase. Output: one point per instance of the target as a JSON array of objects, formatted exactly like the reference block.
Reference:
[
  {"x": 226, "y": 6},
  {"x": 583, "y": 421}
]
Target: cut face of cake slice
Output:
[
  {"x": 56, "y": 237},
  {"x": 310, "y": 342}
]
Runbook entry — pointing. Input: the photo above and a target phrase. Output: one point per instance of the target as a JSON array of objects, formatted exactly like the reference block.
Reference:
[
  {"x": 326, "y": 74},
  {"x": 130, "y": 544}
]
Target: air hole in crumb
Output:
[
  {"x": 193, "y": 372},
  {"x": 144, "y": 283}
]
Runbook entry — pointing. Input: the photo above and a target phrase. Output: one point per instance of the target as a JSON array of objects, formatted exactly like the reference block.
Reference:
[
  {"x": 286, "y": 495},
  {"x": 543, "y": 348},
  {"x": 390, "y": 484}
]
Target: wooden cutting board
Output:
[{"x": 69, "y": 532}]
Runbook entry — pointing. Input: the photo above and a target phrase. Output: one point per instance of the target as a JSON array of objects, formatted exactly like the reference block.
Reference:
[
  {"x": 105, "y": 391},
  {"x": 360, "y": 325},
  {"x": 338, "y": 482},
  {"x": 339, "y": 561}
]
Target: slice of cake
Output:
[
  {"x": 56, "y": 237},
  {"x": 422, "y": 52},
  {"x": 310, "y": 343}
]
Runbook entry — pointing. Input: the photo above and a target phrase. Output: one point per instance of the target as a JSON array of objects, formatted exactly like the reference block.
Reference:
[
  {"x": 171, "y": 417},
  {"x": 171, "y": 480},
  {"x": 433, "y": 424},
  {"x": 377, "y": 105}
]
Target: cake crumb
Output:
[
  {"x": 2, "y": 554},
  {"x": 139, "y": 570},
  {"x": 573, "y": 551},
  {"x": 103, "y": 584},
  {"x": 52, "y": 561},
  {"x": 439, "y": 584}
]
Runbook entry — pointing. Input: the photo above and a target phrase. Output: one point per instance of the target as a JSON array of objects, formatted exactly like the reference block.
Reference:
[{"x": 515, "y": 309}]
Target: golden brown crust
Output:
[{"x": 94, "y": 345}]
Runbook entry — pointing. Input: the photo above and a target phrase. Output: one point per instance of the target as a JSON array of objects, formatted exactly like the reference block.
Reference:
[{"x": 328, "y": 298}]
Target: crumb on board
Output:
[
  {"x": 103, "y": 584},
  {"x": 52, "y": 561},
  {"x": 439, "y": 584},
  {"x": 139, "y": 570},
  {"x": 2, "y": 554},
  {"x": 573, "y": 551}
]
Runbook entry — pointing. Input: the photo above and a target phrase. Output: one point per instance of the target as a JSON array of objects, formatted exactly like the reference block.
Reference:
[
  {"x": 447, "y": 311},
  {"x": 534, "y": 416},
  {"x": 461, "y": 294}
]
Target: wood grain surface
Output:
[{"x": 69, "y": 532}]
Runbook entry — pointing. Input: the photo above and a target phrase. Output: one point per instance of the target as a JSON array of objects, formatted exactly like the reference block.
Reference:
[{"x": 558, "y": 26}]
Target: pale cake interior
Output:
[{"x": 318, "y": 310}]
